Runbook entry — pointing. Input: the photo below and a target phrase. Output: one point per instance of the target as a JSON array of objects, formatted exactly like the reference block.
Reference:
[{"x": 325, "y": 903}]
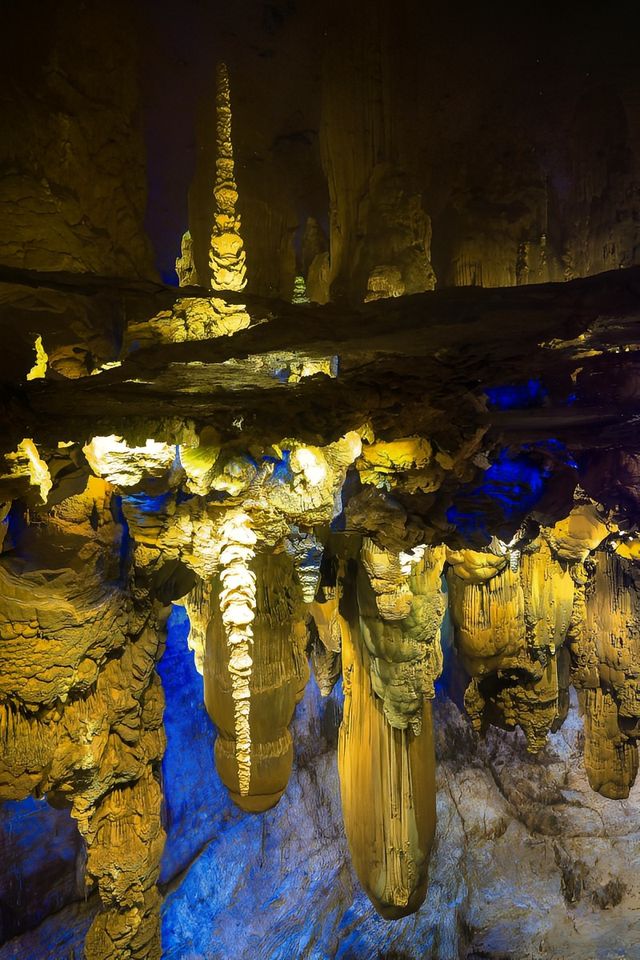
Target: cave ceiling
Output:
[{"x": 370, "y": 417}]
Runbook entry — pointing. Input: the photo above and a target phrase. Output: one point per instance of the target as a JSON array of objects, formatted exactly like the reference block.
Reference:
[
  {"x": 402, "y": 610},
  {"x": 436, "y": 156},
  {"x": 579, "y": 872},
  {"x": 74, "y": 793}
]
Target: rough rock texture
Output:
[
  {"x": 81, "y": 705},
  {"x": 254, "y": 755},
  {"x": 226, "y": 252},
  {"x": 463, "y": 141},
  {"x": 254, "y": 446},
  {"x": 73, "y": 186}
]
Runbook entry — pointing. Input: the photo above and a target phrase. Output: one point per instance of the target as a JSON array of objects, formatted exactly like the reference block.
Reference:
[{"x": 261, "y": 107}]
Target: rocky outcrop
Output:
[{"x": 82, "y": 706}]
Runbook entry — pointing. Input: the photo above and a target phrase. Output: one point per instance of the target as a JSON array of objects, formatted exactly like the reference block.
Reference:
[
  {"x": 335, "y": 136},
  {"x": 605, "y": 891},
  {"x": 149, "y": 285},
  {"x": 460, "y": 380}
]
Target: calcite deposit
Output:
[
  {"x": 383, "y": 433},
  {"x": 226, "y": 254}
]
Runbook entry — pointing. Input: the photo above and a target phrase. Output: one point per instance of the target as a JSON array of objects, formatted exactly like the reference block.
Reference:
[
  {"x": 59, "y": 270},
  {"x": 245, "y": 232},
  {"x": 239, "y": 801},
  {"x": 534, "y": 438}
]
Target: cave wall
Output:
[
  {"x": 72, "y": 160},
  {"x": 377, "y": 160},
  {"x": 426, "y": 144},
  {"x": 420, "y": 144}
]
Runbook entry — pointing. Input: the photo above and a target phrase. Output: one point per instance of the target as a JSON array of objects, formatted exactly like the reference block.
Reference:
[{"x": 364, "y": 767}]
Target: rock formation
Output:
[
  {"x": 226, "y": 254},
  {"x": 431, "y": 495}
]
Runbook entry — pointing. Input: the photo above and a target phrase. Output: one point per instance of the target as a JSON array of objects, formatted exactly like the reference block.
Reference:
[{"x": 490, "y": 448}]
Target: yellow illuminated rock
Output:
[
  {"x": 81, "y": 708},
  {"x": 401, "y": 605},
  {"x": 488, "y": 616},
  {"x": 582, "y": 531},
  {"x": 26, "y": 461},
  {"x": 198, "y": 606},
  {"x": 39, "y": 369},
  {"x": 381, "y": 459},
  {"x": 511, "y": 615},
  {"x": 185, "y": 267},
  {"x": 607, "y": 655},
  {"x": 226, "y": 253},
  {"x": 124, "y": 466},
  {"x": 199, "y": 465},
  {"x": 193, "y": 318},
  {"x": 610, "y": 757},
  {"x": 387, "y": 787}
]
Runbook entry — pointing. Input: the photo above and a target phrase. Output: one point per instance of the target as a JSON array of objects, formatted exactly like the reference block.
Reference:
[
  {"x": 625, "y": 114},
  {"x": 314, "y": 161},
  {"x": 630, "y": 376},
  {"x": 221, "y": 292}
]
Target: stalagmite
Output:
[
  {"x": 125, "y": 839},
  {"x": 226, "y": 254},
  {"x": 185, "y": 267}
]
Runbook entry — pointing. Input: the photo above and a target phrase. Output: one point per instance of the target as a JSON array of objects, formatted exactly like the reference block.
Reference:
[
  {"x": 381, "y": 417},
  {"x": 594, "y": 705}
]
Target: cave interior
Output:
[{"x": 319, "y": 481}]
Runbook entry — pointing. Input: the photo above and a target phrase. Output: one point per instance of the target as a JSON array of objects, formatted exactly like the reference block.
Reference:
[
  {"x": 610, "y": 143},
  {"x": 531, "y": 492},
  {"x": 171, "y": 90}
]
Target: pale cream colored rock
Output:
[
  {"x": 124, "y": 466},
  {"x": 254, "y": 676}
]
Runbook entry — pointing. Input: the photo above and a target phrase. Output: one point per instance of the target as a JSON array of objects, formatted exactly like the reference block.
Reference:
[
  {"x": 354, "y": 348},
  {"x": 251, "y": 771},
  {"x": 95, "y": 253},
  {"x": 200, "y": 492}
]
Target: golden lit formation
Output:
[{"x": 226, "y": 254}]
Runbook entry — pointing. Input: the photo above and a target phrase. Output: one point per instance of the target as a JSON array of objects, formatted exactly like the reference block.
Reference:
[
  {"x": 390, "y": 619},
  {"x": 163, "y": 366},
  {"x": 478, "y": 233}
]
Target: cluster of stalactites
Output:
[
  {"x": 226, "y": 253},
  {"x": 563, "y": 609},
  {"x": 509, "y": 620}
]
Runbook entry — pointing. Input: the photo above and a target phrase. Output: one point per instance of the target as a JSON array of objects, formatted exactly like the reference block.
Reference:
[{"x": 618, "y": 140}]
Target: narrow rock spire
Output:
[{"x": 226, "y": 252}]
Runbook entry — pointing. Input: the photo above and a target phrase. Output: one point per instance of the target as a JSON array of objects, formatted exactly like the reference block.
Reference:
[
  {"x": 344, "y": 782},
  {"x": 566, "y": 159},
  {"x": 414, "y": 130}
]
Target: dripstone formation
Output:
[{"x": 396, "y": 489}]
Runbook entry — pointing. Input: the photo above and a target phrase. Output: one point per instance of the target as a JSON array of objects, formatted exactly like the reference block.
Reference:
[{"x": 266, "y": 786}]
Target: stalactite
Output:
[
  {"x": 610, "y": 757},
  {"x": 237, "y": 601},
  {"x": 401, "y": 605},
  {"x": 511, "y": 613},
  {"x": 387, "y": 785},
  {"x": 325, "y": 652},
  {"x": 606, "y": 670},
  {"x": 613, "y": 620},
  {"x": 256, "y": 771},
  {"x": 226, "y": 254},
  {"x": 198, "y": 606},
  {"x": 306, "y": 552}
]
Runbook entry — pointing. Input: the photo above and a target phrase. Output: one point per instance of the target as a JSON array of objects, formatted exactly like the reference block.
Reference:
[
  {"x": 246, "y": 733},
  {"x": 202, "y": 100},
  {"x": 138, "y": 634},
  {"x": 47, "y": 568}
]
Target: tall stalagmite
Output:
[{"x": 226, "y": 253}]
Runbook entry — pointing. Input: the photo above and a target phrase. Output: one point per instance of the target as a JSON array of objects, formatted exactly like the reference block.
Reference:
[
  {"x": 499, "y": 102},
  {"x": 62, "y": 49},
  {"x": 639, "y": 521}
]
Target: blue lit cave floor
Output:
[{"x": 528, "y": 863}]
